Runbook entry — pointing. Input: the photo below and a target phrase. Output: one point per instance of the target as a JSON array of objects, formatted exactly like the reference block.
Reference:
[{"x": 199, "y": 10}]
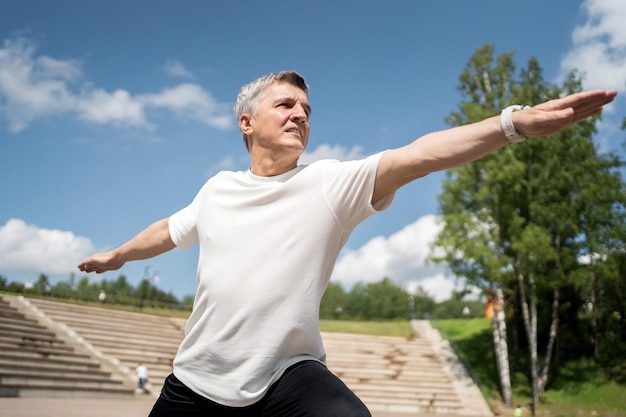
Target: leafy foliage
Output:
[
  {"x": 543, "y": 220},
  {"x": 118, "y": 291}
]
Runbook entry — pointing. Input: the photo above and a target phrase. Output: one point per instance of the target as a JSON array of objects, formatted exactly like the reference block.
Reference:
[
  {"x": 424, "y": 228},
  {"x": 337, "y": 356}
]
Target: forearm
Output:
[{"x": 152, "y": 241}]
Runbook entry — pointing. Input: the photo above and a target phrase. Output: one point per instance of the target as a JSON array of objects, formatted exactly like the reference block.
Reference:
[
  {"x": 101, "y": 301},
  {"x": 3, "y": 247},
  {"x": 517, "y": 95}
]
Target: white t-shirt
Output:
[
  {"x": 268, "y": 246},
  {"x": 142, "y": 372}
]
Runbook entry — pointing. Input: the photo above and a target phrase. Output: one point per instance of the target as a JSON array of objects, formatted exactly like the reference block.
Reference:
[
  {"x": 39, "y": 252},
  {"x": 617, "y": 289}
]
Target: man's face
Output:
[{"x": 282, "y": 120}]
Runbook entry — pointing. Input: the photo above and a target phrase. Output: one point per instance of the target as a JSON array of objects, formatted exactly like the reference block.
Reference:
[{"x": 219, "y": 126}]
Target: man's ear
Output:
[{"x": 245, "y": 124}]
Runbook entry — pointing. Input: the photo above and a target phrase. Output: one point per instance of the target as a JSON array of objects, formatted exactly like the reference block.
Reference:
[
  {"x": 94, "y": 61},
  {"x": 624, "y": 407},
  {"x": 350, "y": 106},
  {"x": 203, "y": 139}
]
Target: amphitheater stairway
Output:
[
  {"x": 391, "y": 374},
  {"x": 35, "y": 362},
  {"x": 125, "y": 338}
]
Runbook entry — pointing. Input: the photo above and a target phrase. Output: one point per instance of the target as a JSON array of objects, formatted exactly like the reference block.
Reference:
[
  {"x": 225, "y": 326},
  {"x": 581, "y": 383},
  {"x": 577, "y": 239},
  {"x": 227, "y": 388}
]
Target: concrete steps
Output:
[
  {"x": 390, "y": 374},
  {"x": 130, "y": 338},
  {"x": 35, "y": 362}
]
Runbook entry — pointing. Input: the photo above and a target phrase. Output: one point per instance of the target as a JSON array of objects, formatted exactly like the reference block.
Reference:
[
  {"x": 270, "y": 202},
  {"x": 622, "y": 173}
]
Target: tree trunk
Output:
[
  {"x": 594, "y": 324},
  {"x": 529, "y": 313},
  {"x": 543, "y": 378},
  {"x": 592, "y": 296},
  {"x": 501, "y": 349}
]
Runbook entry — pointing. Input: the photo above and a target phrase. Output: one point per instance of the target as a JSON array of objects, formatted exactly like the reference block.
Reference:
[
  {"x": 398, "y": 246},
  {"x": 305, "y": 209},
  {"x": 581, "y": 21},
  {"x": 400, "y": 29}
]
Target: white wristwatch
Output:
[{"x": 507, "y": 123}]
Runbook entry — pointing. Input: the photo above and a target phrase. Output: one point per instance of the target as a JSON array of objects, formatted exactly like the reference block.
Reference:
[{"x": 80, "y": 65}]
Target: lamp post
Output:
[
  {"x": 411, "y": 307},
  {"x": 144, "y": 287}
]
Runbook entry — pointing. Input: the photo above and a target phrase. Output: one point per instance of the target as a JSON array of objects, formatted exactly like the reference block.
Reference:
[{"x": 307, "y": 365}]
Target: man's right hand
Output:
[{"x": 101, "y": 262}]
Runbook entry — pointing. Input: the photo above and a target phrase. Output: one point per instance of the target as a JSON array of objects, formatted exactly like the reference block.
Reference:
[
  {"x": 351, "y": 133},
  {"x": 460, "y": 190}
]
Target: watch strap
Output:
[{"x": 506, "y": 122}]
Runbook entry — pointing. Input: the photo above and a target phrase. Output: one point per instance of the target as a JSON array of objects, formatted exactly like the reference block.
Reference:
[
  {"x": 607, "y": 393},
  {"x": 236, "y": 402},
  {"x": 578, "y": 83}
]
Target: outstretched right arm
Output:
[{"x": 152, "y": 241}]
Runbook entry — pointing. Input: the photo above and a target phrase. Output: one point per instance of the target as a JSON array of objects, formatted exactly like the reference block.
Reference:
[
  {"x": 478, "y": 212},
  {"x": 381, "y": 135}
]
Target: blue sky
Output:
[{"x": 114, "y": 113}]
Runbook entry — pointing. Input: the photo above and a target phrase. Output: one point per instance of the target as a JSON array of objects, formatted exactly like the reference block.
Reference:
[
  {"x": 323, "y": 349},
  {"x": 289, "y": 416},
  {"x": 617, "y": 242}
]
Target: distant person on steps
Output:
[{"x": 142, "y": 379}]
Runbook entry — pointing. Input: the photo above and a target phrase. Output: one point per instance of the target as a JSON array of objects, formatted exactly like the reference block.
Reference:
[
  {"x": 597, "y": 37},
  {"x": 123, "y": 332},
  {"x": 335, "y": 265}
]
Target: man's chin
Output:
[{"x": 297, "y": 146}]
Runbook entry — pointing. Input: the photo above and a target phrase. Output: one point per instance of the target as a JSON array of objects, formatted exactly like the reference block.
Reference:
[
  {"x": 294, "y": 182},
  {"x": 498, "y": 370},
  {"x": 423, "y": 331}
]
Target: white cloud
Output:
[
  {"x": 34, "y": 87},
  {"x": 191, "y": 100},
  {"x": 26, "y": 248},
  {"x": 118, "y": 108},
  {"x": 599, "y": 45},
  {"x": 402, "y": 257},
  {"x": 54, "y": 68},
  {"x": 175, "y": 68},
  {"x": 325, "y": 151},
  {"x": 605, "y": 21}
]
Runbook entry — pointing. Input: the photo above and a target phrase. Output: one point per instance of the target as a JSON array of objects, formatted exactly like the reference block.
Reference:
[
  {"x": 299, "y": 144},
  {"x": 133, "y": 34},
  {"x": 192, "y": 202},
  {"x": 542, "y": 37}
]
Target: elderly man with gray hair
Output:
[{"x": 269, "y": 238}]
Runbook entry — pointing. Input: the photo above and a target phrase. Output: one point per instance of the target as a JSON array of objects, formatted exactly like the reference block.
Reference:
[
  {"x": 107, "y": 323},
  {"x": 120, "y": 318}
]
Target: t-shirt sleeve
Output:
[
  {"x": 182, "y": 225},
  {"x": 349, "y": 189}
]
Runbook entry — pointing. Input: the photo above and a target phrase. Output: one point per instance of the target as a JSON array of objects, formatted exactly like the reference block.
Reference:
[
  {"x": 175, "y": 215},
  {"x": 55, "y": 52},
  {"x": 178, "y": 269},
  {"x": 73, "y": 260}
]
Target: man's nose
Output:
[{"x": 299, "y": 114}]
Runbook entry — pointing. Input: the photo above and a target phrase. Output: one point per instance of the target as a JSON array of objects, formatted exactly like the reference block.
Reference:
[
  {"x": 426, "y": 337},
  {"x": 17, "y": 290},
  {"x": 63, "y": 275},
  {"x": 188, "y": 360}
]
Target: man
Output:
[
  {"x": 142, "y": 379},
  {"x": 269, "y": 238}
]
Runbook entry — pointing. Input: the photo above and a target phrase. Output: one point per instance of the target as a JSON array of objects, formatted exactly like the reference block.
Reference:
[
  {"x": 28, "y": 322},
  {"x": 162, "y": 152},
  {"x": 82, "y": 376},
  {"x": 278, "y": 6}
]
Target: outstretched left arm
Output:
[{"x": 459, "y": 145}]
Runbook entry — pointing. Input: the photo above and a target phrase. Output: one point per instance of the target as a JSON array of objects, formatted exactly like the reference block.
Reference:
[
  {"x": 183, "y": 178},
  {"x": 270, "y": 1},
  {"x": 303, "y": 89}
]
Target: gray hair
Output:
[{"x": 250, "y": 94}]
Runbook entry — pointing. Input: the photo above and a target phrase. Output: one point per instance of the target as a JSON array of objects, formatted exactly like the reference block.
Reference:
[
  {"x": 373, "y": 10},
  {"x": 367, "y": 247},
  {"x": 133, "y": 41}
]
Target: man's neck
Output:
[
  {"x": 269, "y": 167},
  {"x": 268, "y": 163}
]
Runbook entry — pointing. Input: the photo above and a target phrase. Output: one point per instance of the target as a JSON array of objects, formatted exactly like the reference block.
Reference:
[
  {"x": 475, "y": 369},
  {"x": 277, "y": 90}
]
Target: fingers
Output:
[
  {"x": 577, "y": 107},
  {"x": 92, "y": 268},
  {"x": 582, "y": 102},
  {"x": 581, "y": 115},
  {"x": 92, "y": 264},
  {"x": 591, "y": 105},
  {"x": 85, "y": 266},
  {"x": 589, "y": 102}
]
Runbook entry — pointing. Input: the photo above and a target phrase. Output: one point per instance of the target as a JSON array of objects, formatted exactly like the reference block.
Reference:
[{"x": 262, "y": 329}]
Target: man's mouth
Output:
[{"x": 296, "y": 131}]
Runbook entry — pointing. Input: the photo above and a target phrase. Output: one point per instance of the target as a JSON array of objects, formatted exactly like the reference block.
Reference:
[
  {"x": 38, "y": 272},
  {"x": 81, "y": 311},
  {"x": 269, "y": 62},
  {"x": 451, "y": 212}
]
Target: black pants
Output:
[{"x": 306, "y": 389}]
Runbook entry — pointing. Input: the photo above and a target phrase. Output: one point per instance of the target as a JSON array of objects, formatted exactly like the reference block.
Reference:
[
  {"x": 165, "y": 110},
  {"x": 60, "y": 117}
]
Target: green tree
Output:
[
  {"x": 333, "y": 302},
  {"x": 474, "y": 200},
  {"x": 613, "y": 317},
  {"x": 600, "y": 211},
  {"x": 457, "y": 307},
  {"x": 424, "y": 305},
  {"x": 10, "y": 286},
  {"x": 358, "y": 302},
  {"x": 513, "y": 220},
  {"x": 42, "y": 286},
  {"x": 388, "y": 300},
  {"x": 382, "y": 300},
  {"x": 121, "y": 288},
  {"x": 86, "y": 290},
  {"x": 63, "y": 289}
]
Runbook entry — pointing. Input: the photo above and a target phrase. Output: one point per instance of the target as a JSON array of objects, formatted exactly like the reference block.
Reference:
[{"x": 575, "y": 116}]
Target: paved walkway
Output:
[{"x": 100, "y": 407}]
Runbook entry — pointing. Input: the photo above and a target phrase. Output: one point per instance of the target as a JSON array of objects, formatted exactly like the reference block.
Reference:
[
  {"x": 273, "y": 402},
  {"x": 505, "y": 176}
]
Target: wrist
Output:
[
  {"x": 506, "y": 123},
  {"x": 119, "y": 255}
]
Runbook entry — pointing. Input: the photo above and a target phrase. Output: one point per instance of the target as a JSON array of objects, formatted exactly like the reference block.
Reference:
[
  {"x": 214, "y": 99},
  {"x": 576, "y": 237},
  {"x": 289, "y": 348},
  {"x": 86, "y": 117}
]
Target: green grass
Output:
[
  {"x": 599, "y": 398},
  {"x": 376, "y": 328},
  {"x": 473, "y": 338},
  {"x": 461, "y": 329},
  {"x": 579, "y": 390}
]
